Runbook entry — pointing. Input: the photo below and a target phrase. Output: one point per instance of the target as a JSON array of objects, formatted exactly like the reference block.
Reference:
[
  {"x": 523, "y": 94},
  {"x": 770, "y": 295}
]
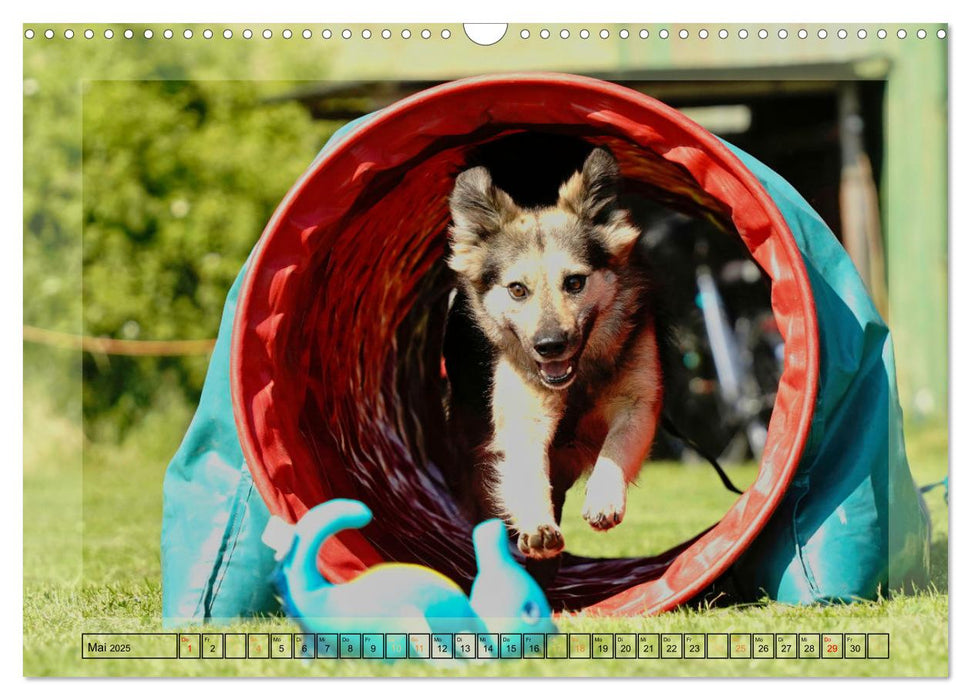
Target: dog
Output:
[{"x": 551, "y": 351}]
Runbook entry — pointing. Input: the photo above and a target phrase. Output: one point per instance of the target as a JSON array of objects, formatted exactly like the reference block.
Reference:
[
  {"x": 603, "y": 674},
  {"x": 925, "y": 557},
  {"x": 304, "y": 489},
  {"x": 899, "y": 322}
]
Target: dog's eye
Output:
[
  {"x": 517, "y": 291},
  {"x": 531, "y": 612},
  {"x": 574, "y": 283}
]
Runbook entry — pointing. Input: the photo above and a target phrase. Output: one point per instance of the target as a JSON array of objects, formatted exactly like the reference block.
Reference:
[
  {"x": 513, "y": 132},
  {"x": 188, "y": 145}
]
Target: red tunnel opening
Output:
[{"x": 337, "y": 339}]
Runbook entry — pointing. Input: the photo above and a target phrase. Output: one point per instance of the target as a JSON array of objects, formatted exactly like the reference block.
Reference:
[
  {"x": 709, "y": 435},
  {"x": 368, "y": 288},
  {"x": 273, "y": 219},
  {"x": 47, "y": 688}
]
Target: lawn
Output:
[{"x": 91, "y": 564}]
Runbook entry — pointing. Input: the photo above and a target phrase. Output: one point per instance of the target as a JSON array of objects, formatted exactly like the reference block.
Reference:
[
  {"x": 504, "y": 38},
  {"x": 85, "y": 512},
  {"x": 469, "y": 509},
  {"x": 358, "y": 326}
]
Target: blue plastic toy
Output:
[{"x": 403, "y": 598}]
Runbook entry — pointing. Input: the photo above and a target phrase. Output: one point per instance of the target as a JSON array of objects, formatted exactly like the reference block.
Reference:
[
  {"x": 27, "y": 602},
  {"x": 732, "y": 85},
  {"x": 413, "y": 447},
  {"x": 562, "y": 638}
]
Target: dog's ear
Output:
[
  {"x": 479, "y": 210},
  {"x": 592, "y": 196},
  {"x": 478, "y": 207}
]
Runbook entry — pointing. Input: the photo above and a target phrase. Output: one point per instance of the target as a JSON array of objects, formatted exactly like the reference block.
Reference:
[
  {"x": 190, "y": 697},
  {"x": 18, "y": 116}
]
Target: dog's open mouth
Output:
[{"x": 558, "y": 373}]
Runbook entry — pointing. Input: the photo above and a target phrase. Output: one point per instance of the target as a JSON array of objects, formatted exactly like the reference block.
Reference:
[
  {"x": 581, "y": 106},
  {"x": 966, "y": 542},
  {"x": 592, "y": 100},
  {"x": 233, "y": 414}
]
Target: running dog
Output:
[{"x": 551, "y": 352}]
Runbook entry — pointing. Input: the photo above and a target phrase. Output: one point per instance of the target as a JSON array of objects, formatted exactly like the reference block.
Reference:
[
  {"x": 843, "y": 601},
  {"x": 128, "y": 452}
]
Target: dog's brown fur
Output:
[{"x": 548, "y": 381}]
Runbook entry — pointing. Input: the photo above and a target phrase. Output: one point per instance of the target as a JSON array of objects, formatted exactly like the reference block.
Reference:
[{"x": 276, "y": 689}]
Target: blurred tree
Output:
[{"x": 177, "y": 180}]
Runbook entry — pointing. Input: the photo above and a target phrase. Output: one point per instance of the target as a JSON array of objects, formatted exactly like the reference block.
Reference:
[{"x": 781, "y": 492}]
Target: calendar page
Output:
[{"x": 528, "y": 349}]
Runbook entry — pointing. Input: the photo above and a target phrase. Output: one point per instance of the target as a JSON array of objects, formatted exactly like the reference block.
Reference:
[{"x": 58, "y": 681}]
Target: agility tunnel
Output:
[{"x": 325, "y": 380}]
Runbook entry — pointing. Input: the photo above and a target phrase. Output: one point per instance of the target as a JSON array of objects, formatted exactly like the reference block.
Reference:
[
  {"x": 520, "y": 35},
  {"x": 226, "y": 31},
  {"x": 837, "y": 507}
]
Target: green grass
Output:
[{"x": 91, "y": 563}]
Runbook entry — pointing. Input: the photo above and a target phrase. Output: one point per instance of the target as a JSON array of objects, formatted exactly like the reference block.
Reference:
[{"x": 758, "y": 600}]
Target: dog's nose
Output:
[{"x": 551, "y": 345}]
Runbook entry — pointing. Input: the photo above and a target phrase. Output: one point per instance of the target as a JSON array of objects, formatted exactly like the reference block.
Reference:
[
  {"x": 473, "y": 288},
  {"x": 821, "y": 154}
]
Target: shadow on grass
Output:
[{"x": 939, "y": 566}]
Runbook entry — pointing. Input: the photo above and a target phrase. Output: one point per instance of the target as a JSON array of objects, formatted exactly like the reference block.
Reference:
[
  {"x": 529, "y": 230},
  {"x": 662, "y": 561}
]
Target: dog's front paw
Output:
[
  {"x": 606, "y": 500},
  {"x": 542, "y": 542}
]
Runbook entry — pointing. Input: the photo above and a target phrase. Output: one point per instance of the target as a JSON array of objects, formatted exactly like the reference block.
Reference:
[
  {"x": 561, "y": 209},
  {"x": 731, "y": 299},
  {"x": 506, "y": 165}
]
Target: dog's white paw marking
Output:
[{"x": 606, "y": 500}]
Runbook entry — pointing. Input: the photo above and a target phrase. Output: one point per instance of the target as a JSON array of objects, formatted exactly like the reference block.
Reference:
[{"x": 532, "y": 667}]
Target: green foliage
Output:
[
  {"x": 52, "y": 199},
  {"x": 179, "y": 180},
  {"x": 142, "y": 199}
]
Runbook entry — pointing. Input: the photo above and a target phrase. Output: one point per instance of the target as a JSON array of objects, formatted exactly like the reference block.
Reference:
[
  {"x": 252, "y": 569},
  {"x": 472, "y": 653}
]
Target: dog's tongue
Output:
[{"x": 555, "y": 369}]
